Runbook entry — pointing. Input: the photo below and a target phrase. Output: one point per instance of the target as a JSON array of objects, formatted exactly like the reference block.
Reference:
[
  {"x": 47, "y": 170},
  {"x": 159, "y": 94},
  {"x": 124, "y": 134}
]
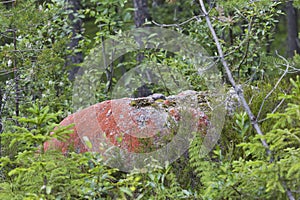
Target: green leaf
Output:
[{"x": 126, "y": 191}]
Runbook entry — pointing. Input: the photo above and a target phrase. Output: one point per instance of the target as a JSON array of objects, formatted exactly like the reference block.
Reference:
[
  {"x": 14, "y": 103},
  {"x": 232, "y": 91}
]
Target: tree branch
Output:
[
  {"x": 275, "y": 109},
  {"x": 288, "y": 191},
  {"x": 237, "y": 88},
  {"x": 10, "y": 1},
  {"x": 179, "y": 24},
  {"x": 276, "y": 85}
]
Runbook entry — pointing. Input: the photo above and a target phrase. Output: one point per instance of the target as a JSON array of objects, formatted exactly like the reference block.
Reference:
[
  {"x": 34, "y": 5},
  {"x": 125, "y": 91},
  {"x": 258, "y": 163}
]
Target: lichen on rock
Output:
[{"x": 135, "y": 124}]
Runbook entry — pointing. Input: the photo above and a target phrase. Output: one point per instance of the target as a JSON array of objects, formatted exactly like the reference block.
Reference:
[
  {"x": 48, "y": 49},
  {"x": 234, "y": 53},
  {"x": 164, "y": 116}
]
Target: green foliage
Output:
[
  {"x": 39, "y": 129},
  {"x": 171, "y": 12},
  {"x": 283, "y": 172},
  {"x": 33, "y": 50},
  {"x": 35, "y": 174},
  {"x": 296, "y": 4},
  {"x": 31, "y": 161},
  {"x": 111, "y": 16},
  {"x": 244, "y": 31},
  {"x": 254, "y": 174}
]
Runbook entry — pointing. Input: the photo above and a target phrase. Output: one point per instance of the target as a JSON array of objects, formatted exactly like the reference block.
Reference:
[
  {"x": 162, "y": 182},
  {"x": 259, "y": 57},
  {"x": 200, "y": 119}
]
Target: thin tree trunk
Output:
[
  {"x": 141, "y": 15},
  {"x": 16, "y": 75},
  {"x": 292, "y": 28},
  {"x": 76, "y": 58}
]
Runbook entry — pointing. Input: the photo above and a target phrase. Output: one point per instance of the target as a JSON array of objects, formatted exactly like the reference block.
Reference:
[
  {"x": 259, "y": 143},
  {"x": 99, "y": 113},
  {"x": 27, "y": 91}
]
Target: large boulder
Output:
[{"x": 136, "y": 125}]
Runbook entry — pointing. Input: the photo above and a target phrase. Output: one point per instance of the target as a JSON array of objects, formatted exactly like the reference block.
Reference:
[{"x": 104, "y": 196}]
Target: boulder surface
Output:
[{"x": 137, "y": 125}]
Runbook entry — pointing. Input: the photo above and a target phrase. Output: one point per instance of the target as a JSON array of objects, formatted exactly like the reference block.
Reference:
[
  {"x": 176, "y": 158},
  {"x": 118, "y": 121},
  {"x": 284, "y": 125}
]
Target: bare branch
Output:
[
  {"x": 4, "y": 72},
  {"x": 237, "y": 89},
  {"x": 276, "y": 85},
  {"x": 275, "y": 109},
  {"x": 247, "y": 48},
  {"x": 9, "y": 1},
  {"x": 180, "y": 24},
  {"x": 288, "y": 191}
]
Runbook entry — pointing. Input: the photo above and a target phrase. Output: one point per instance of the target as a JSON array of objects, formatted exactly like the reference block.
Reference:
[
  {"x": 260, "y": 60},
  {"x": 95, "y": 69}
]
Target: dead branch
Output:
[
  {"x": 238, "y": 89},
  {"x": 276, "y": 85},
  {"x": 179, "y": 24}
]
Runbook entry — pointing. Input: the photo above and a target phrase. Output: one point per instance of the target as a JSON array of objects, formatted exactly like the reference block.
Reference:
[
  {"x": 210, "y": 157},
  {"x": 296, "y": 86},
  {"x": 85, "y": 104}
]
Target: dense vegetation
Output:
[{"x": 42, "y": 46}]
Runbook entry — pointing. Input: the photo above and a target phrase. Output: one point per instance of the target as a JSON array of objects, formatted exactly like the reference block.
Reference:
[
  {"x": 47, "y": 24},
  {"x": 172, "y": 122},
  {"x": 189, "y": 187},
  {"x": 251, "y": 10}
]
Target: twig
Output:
[
  {"x": 237, "y": 89},
  {"x": 275, "y": 109},
  {"x": 177, "y": 25},
  {"x": 288, "y": 191},
  {"x": 10, "y": 1},
  {"x": 26, "y": 50},
  {"x": 295, "y": 70},
  {"x": 16, "y": 77},
  {"x": 4, "y": 72},
  {"x": 276, "y": 85},
  {"x": 247, "y": 48},
  {"x": 198, "y": 19}
]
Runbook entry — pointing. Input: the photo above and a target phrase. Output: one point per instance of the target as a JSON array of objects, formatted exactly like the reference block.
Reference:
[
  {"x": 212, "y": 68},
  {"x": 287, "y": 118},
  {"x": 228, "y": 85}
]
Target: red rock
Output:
[{"x": 135, "y": 125}]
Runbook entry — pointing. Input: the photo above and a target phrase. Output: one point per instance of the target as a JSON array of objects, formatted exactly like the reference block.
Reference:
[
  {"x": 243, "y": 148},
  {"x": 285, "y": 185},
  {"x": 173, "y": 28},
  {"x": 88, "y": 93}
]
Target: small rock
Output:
[{"x": 157, "y": 96}]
